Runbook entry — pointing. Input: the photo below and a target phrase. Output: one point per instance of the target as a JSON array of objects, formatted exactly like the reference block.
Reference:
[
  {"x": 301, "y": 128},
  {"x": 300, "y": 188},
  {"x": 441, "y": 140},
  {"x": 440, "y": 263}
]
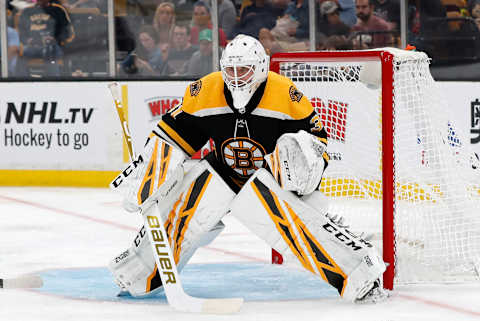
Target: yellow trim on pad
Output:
[{"x": 11, "y": 177}]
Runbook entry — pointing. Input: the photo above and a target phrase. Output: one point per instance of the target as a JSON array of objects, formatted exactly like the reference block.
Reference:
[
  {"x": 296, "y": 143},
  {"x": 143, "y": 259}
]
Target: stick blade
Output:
[
  {"x": 22, "y": 282},
  {"x": 222, "y": 306}
]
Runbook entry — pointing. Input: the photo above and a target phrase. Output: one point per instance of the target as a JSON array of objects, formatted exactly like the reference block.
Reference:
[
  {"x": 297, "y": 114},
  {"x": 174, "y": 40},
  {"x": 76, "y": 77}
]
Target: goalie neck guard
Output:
[{"x": 244, "y": 65}]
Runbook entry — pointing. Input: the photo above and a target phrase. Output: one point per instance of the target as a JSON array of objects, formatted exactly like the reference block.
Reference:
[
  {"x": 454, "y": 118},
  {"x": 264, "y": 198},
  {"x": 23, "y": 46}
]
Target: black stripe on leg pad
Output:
[
  {"x": 267, "y": 196},
  {"x": 197, "y": 189}
]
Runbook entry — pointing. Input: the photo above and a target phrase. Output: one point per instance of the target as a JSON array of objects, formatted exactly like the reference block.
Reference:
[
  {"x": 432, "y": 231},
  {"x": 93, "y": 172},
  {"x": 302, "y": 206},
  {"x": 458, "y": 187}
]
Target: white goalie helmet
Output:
[{"x": 244, "y": 65}]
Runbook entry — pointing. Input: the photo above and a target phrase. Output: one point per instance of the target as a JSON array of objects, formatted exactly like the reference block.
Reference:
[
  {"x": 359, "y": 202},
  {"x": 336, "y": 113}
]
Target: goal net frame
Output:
[{"x": 388, "y": 194}]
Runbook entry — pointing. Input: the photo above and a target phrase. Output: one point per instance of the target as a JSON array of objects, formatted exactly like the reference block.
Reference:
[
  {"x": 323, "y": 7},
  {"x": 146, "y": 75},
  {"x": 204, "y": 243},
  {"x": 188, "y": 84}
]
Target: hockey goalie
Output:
[{"x": 268, "y": 162}]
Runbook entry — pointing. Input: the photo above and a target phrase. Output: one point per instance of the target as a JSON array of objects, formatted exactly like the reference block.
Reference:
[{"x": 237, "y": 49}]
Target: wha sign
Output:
[{"x": 160, "y": 105}]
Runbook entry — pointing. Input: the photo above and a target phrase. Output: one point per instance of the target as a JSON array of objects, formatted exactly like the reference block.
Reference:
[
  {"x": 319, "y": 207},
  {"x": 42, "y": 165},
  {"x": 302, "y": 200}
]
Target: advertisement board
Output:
[
  {"x": 68, "y": 133},
  {"x": 65, "y": 126},
  {"x": 463, "y": 100}
]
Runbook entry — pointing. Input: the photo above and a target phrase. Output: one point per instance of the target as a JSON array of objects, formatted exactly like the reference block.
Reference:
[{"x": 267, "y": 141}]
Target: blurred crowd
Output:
[{"x": 157, "y": 38}]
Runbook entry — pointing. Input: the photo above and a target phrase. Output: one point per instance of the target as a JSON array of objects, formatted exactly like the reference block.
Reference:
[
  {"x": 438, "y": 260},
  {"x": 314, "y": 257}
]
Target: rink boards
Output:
[{"x": 67, "y": 133}]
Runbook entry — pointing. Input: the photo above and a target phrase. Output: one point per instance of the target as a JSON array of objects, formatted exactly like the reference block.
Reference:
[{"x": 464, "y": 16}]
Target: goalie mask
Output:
[{"x": 244, "y": 65}]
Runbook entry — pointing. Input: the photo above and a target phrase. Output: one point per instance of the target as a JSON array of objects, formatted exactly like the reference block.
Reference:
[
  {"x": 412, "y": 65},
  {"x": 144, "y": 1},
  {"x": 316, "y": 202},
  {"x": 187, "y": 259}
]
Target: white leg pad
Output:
[
  {"x": 300, "y": 231},
  {"x": 192, "y": 219},
  {"x": 317, "y": 200},
  {"x": 133, "y": 269}
]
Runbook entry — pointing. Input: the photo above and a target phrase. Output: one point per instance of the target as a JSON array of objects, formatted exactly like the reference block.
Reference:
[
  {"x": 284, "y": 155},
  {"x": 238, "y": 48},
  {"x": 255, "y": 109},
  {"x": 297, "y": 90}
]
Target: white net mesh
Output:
[{"x": 437, "y": 222}]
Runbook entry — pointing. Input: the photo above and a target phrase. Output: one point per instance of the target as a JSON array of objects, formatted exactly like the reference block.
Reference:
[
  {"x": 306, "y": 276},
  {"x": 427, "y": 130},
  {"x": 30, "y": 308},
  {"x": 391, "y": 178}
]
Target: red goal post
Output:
[{"x": 394, "y": 157}]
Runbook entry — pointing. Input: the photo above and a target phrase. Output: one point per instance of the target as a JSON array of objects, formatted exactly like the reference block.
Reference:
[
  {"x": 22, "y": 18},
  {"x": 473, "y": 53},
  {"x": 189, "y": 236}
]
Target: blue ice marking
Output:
[{"x": 252, "y": 281}]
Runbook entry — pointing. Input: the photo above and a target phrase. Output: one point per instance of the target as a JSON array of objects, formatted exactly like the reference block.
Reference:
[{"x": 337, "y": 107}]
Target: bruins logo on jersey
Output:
[
  {"x": 195, "y": 88},
  {"x": 243, "y": 155},
  {"x": 295, "y": 94}
]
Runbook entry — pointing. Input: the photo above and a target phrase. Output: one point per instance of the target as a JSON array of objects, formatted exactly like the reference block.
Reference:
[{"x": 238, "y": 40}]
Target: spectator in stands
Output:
[
  {"x": 329, "y": 22},
  {"x": 11, "y": 12},
  {"x": 471, "y": 4},
  {"x": 337, "y": 42},
  {"x": 201, "y": 21},
  {"x": 421, "y": 14},
  {"x": 183, "y": 8},
  {"x": 163, "y": 23},
  {"x": 474, "y": 9},
  {"x": 278, "y": 7},
  {"x": 146, "y": 59},
  {"x": 348, "y": 13},
  {"x": 388, "y": 10},
  {"x": 370, "y": 25},
  {"x": 455, "y": 11},
  {"x": 227, "y": 15},
  {"x": 268, "y": 42},
  {"x": 283, "y": 26},
  {"x": 273, "y": 44},
  {"x": 254, "y": 17},
  {"x": 44, "y": 30},
  {"x": 424, "y": 18},
  {"x": 460, "y": 38},
  {"x": 181, "y": 50},
  {"x": 201, "y": 62},
  {"x": 346, "y": 10},
  {"x": 291, "y": 30},
  {"x": 298, "y": 10},
  {"x": 432, "y": 30}
]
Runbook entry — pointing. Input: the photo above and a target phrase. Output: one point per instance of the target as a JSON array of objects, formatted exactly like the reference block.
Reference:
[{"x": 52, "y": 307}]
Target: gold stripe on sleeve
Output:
[{"x": 176, "y": 137}]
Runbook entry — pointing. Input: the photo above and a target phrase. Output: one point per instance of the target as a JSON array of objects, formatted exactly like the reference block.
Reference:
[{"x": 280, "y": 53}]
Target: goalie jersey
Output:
[{"x": 241, "y": 140}]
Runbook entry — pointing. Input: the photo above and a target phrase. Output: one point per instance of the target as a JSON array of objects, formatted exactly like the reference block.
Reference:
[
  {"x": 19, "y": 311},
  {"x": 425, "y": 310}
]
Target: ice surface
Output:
[{"x": 68, "y": 235}]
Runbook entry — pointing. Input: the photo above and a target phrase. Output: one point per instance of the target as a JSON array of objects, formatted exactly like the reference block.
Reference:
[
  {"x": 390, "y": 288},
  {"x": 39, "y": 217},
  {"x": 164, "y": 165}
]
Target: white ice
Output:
[{"x": 64, "y": 228}]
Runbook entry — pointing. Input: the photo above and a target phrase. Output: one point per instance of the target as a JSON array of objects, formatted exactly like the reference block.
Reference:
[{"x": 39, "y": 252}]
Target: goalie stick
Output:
[
  {"x": 161, "y": 250},
  {"x": 22, "y": 282}
]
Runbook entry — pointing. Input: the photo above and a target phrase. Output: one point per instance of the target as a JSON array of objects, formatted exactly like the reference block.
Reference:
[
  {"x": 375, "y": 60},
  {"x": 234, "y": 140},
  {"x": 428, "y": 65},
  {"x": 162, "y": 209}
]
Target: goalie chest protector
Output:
[{"x": 241, "y": 140}]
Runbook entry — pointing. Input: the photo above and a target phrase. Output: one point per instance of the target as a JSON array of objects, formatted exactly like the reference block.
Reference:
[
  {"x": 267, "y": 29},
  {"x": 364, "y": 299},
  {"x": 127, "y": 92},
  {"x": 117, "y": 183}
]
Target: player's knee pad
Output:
[
  {"x": 192, "y": 219},
  {"x": 300, "y": 232}
]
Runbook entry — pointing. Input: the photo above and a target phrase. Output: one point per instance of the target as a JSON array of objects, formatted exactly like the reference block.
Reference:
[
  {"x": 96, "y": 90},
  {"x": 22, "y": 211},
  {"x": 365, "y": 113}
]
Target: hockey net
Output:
[{"x": 421, "y": 199}]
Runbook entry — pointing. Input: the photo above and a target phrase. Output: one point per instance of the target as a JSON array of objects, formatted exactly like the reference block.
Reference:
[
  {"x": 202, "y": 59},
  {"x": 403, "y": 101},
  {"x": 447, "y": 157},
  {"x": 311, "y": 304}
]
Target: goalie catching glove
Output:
[
  {"x": 154, "y": 174},
  {"x": 297, "y": 162}
]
